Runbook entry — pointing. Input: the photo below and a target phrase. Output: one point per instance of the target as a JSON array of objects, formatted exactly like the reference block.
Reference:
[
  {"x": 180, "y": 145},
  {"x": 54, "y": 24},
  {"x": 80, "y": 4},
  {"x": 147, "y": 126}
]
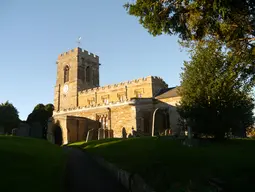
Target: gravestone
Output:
[
  {"x": 23, "y": 130},
  {"x": 101, "y": 133},
  {"x": 90, "y": 135},
  {"x": 14, "y": 131},
  {"x": 1, "y": 130},
  {"x": 124, "y": 133},
  {"x": 106, "y": 133},
  {"x": 189, "y": 132},
  {"x": 168, "y": 132},
  {"x": 36, "y": 130},
  {"x": 110, "y": 133}
]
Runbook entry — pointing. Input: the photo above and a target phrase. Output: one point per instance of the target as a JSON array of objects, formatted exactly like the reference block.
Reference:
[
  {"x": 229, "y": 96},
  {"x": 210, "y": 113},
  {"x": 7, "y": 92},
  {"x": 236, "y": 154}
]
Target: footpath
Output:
[{"x": 83, "y": 174}]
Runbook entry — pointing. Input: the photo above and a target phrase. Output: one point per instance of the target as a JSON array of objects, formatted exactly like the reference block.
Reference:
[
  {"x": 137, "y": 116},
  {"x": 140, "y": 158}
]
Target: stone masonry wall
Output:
[
  {"x": 173, "y": 114},
  {"x": 114, "y": 93},
  {"x": 85, "y": 103},
  {"x": 63, "y": 125},
  {"x": 77, "y": 60},
  {"x": 120, "y": 115},
  {"x": 144, "y": 113},
  {"x": 66, "y": 59},
  {"x": 123, "y": 116}
]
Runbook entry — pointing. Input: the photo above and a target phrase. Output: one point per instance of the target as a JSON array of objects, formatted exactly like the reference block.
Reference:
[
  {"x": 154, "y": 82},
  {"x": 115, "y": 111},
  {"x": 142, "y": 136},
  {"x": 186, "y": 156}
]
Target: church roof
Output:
[{"x": 166, "y": 93}]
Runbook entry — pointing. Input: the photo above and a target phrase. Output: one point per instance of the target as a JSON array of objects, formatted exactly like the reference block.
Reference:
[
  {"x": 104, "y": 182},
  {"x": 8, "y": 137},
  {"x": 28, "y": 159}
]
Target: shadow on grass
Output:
[
  {"x": 27, "y": 160},
  {"x": 166, "y": 164}
]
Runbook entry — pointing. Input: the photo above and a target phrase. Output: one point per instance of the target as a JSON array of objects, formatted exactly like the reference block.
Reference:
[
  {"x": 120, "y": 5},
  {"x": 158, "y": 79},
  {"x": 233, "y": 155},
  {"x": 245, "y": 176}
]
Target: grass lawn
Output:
[
  {"x": 166, "y": 165},
  {"x": 30, "y": 165}
]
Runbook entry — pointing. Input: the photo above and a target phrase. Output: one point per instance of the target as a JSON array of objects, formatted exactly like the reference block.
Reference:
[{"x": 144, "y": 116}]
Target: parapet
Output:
[
  {"x": 118, "y": 85},
  {"x": 88, "y": 107},
  {"x": 158, "y": 80},
  {"x": 70, "y": 52},
  {"x": 86, "y": 54},
  {"x": 81, "y": 52}
]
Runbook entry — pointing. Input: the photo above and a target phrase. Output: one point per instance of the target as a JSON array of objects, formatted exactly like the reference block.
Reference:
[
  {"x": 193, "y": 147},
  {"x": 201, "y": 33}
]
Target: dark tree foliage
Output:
[
  {"x": 215, "y": 96},
  {"x": 221, "y": 37},
  {"x": 49, "y": 108},
  {"x": 41, "y": 114},
  {"x": 230, "y": 21},
  {"x": 9, "y": 116}
]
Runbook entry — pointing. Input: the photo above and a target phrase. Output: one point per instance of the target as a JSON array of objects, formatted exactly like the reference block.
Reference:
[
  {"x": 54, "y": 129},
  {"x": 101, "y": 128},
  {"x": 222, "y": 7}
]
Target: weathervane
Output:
[{"x": 79, "y": 42}]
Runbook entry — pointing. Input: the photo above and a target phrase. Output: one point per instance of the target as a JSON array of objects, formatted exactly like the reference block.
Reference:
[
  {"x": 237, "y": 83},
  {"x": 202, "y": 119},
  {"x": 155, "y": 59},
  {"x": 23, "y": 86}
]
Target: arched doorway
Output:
[
  {"x": 160, "y": 121},
  {"x": 58, "y": 136}
]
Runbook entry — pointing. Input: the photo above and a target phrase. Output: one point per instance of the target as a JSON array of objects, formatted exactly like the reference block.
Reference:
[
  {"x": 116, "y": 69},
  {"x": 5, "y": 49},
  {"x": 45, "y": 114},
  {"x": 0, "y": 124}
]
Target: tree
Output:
[
  {"x": 39, "y": 106},
  {"x": 214, "y": 95},
  {"x": 231, "y": 21},
  {"x": 41, "y": 114},
  {"x": 9, "y": 116},
  {"x": 49, "y": 108}
]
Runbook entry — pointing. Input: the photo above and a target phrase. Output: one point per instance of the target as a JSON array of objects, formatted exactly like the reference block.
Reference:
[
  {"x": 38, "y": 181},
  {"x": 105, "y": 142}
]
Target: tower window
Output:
[
  {"x": 66, "y": 74},
  {"x": 88, "y": 74}
]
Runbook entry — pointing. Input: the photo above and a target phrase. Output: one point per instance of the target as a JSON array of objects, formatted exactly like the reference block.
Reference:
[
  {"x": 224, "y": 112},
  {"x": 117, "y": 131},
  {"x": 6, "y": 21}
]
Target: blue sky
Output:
[{"x": 33, "y": 33}]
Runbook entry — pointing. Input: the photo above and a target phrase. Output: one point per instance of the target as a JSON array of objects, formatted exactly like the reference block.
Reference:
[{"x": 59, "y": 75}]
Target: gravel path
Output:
[{"x": 85, "y": 175}]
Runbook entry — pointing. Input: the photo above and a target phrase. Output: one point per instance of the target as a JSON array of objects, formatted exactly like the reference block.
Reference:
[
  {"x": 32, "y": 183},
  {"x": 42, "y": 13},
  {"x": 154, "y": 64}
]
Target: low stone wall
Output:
[{"x": 132, "y": 182}]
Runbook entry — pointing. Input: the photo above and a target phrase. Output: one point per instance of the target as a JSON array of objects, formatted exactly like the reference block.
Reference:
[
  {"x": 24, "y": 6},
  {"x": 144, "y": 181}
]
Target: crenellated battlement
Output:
[
  {"x": 158, "y": 80},
  {"x": 149, "y": 79},
  {"x": 79, "y": 51},
  {"x": 95, "y": 106},
  {"x": 118, "y": 85},
  {"x": 86, "y": 54}
]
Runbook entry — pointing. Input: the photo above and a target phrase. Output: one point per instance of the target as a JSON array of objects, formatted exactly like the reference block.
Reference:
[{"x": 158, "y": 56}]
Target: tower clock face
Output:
[{"x": 65, "y": 89}]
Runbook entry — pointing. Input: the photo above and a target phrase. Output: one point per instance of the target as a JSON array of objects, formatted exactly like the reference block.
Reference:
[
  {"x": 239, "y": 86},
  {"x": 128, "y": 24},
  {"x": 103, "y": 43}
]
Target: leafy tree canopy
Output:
[
  {"x": 215, "y": 95},
  {"x": 9, "y": 116},
  {"x": 231, "y": 21},
  {"x": 39, "y": 106},
  {"x": 49, "y": 108},
  {"x": 41, "y": 114}
]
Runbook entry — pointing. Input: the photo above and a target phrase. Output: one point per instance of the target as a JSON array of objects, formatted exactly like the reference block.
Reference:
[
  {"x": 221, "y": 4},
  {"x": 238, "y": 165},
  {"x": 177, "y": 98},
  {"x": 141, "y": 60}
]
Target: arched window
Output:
[
  {"x": 88, "y": 74},
  {"x": 66, "y": 74}
]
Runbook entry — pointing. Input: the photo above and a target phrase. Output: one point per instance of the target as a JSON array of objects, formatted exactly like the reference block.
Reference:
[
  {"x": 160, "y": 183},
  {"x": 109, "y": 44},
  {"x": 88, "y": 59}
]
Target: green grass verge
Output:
[
  {"x": 167, "y": 165},
  {"x": 30, "y": 165}
]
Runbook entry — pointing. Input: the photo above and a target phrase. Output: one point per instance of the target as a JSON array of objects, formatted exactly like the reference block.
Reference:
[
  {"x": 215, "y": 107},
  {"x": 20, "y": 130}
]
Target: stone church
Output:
[{"x": 145, "y": 104}]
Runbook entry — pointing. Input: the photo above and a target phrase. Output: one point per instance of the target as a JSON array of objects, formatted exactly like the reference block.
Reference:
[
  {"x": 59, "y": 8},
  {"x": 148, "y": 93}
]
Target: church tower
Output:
[{"x": 77, "y": 70}]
